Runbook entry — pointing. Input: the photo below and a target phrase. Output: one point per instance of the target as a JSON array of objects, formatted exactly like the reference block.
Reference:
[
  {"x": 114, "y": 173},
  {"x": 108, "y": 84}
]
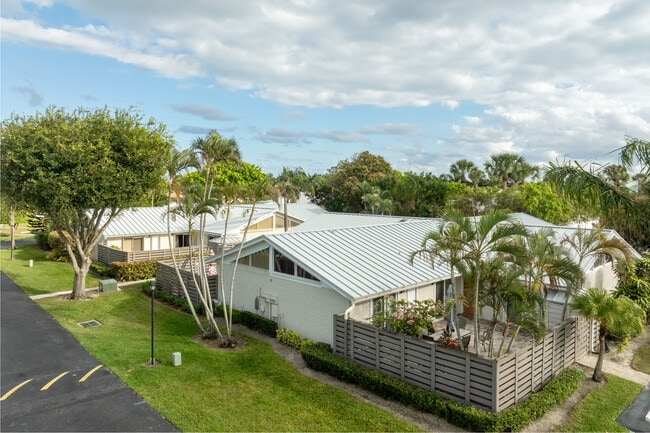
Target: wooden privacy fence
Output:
[
  {"x": 167, "y": 280},
  {"x": 108, "y": 255},
  {"x": 489, "y": 384}
]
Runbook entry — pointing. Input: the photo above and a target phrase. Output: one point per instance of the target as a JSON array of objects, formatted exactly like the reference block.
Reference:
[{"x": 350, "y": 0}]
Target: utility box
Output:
[
  {"x": 108, "y": 285},
  {"x": 176, "y": 359}
]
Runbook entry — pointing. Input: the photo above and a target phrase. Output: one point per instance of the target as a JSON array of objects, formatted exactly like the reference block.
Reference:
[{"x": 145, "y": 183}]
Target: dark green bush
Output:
[
  {"x": 133, "y": 271},
  {"x": 56, "y": 245},
  {"x": 319, "y": 357},
  {"x": 41, "y": 239},
  {"x": 101, "y": 269},
  {"x": 258, "y": 323}
]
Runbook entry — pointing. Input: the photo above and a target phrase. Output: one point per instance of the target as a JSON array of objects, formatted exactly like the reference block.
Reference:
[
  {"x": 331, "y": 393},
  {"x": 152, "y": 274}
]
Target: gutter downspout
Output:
[{"x": 346, "y": 316}]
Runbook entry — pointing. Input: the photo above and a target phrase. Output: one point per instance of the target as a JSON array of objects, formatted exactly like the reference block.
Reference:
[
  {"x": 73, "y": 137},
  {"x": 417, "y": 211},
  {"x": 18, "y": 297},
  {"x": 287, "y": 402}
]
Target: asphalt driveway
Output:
[{"x": 49, "y": 382}]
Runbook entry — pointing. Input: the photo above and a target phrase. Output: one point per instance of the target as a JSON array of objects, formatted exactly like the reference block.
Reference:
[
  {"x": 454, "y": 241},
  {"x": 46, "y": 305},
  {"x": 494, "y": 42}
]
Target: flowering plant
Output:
[{"x": 409, "y": 317}]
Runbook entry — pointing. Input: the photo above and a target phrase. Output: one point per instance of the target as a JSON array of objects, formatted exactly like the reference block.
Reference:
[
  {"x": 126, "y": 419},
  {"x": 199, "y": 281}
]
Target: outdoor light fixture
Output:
[{"x": 152, "y": 286}]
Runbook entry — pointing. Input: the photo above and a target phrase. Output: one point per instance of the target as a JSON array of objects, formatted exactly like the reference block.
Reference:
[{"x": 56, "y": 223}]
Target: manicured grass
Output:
[
  {"x": 641, "y": 360},
  {"x": 251, "y": 389},
  {"x": 599, "y": 409},
  {"x": 44, "y": 276}
]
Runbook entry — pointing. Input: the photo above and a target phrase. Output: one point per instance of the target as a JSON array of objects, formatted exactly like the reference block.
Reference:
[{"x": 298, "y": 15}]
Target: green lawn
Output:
[
  {"x": 252, "y": 389},
  {"x": 44, "y": 276},
  {"x": 599, "y": 409}
]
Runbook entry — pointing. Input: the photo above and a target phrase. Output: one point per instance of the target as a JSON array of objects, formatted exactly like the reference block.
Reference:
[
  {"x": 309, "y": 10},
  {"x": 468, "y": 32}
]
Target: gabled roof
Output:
[
  {"x": 141, "y": 221},
  {"x": 363, "y": 260},
  {"x": 359, "y": 262}
]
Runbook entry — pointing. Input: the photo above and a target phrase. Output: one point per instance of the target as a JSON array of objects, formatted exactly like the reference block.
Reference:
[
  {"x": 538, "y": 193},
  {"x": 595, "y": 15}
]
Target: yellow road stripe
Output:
[
  {"x": 14, "y": 389},
  {"x": 51, "y": 382},
  {"x": 87, "y": 375}
]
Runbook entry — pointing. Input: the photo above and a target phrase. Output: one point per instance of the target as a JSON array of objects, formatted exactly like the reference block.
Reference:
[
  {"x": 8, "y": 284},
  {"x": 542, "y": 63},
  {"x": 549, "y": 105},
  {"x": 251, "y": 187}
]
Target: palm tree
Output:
[
  {"x": 288, "y": 185},
  {"x": 588, "y": 243},
  {"x": 622, "y": 210},
  {"x": 547, "y": 265},
  {"x": 616, "y": 173},
  {"x": 190, "y": 208},
  {"x": 445, "y": 244},
  {"x": 500, "y": 166},
  {"x": 463, "y": 168},
  {"x": 620, "y": 316},
  {"x": 495, "y": 232}
]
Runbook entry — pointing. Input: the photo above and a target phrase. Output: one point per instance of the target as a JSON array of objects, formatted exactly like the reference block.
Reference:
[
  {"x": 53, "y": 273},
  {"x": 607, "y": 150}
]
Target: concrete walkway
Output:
[{"x": 617, "y": 369}]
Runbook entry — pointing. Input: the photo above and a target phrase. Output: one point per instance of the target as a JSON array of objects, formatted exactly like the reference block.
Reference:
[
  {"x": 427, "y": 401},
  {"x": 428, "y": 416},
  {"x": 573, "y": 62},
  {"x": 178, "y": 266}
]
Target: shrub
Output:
[
  {"x": 101, "y": 269},
  {"x": 319, "y": 357},
  {"x": 41, "y": 239},
  {"x": 291, "y": 338},
  {"x": 171, "y": 299},
  {"x": 133, "y": 271},
  {"x": 409, "y": 317},
  {"x": 258, "y": 323},
  {"x": 57, "y": 253}
]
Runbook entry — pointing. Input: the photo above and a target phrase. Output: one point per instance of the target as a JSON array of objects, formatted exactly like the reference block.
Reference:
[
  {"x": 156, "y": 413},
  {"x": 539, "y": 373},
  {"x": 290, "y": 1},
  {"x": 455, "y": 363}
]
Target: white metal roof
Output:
[
  {"x": 144, "y": 221},
  {"x": 338, "y": 220},
  {"x": 361, "y": 262}
]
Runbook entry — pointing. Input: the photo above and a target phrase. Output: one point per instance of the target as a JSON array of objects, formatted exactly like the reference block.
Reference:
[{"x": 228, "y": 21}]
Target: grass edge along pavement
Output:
[{"x": 251, "y": 389}]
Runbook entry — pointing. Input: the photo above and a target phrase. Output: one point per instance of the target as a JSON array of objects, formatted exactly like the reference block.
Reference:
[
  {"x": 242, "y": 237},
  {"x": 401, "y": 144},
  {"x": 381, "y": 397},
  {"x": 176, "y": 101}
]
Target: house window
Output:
[
  {"x": 283, "y": 264},
  {"x": 260, "y": 259},
  {"x": 382, "y": 304},
  {"x": 300, "y": 272},
  {"x": 440, "y": 290},
  {"x": 182, "y": 241},
  {"x": 137, "y": 244},
  {"x": 602, "y": 259}
]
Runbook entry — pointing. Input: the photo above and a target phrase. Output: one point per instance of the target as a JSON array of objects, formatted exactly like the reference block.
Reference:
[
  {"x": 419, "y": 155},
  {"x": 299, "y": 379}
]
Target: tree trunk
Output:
[
  {"x": 476, "y": 312},
  {"x": 80, "y": 272},
  {"x": 286, "y": 218},
  {"x": 598, "y": 369}
]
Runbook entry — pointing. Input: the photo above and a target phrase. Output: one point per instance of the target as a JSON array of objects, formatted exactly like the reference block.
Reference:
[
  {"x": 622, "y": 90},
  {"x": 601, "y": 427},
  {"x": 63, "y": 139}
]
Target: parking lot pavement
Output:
[{"x": 49, "y": 382}]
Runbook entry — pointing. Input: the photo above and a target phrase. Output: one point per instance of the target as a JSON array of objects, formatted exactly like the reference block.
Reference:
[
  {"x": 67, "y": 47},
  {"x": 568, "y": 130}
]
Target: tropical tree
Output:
[
  {"x": 495, "y": 232},
  {"x": 463, "y": 169},
  {"x": 445, "y": 244},
  {"x": 288, "y": 186},
  {"x": 80, "y": 170},
  {"x": 589, "y": 243},
  {"x": 547, "y": 265},
  {"x": 619, "y": 316},
  {"x": 616, "y": 173},
  {"x": 500, "y": 167},
  {"x": 619, "y": 208}
]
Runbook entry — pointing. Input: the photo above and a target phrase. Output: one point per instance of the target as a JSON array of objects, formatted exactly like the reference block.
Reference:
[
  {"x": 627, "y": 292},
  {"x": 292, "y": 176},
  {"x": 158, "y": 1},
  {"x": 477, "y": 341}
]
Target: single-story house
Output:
[
  {"x": 351, "y": 264},
  {"x": 142, "y": 232}
]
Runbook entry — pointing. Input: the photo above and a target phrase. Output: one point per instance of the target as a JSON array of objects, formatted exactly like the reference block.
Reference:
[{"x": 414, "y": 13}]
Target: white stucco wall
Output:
[
  {"x": 303, "y": 306},
  {"x": 602, "y": 276}
]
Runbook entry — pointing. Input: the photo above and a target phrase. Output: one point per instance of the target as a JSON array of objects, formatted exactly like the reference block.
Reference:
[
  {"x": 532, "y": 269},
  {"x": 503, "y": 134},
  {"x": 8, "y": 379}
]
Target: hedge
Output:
[
  {"x": 319, "y": 357},
  {"x": 133, "y": 271}
]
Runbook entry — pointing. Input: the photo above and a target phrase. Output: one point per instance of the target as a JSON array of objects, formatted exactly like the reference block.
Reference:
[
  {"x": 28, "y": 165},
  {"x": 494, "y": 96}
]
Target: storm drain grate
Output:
[{"x": 89, "y": 324}]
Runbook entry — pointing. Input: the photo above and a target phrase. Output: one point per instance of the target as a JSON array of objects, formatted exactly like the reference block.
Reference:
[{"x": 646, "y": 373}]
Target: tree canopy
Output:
[{"x": 80, "y": 169}]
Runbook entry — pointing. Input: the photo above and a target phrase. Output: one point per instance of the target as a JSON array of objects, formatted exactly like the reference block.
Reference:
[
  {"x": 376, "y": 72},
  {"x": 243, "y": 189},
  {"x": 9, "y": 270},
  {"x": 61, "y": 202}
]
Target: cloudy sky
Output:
[{"x": 307, "y": 83}]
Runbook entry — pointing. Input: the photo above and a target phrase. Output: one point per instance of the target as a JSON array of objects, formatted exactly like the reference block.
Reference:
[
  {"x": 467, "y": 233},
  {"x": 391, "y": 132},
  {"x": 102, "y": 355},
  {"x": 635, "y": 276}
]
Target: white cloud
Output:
[{"x": 556, "y": 77}]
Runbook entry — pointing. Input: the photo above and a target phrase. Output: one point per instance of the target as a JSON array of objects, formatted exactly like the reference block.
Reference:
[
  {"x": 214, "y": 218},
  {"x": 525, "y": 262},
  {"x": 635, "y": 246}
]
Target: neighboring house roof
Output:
[
  {"x": 338, "y": 220},
  {"x": 141, "y": 221},
  {"x": 529, "y": 220}
]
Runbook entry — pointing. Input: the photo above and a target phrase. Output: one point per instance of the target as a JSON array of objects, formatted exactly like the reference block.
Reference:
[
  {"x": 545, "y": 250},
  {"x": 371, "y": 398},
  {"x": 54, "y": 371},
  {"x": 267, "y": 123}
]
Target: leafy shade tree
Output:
[
  {"x": 618, "y": 316},
  {"x": 621, "y": 209},
  {"x": 81, "y": 169},
  {"x": 421, "y": 195},
  {"x": 336, "y": 190}
]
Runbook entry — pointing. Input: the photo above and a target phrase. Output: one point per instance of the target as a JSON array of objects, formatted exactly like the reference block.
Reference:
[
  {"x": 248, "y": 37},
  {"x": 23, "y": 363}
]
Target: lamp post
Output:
[{"x": 152, "y": 286}]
